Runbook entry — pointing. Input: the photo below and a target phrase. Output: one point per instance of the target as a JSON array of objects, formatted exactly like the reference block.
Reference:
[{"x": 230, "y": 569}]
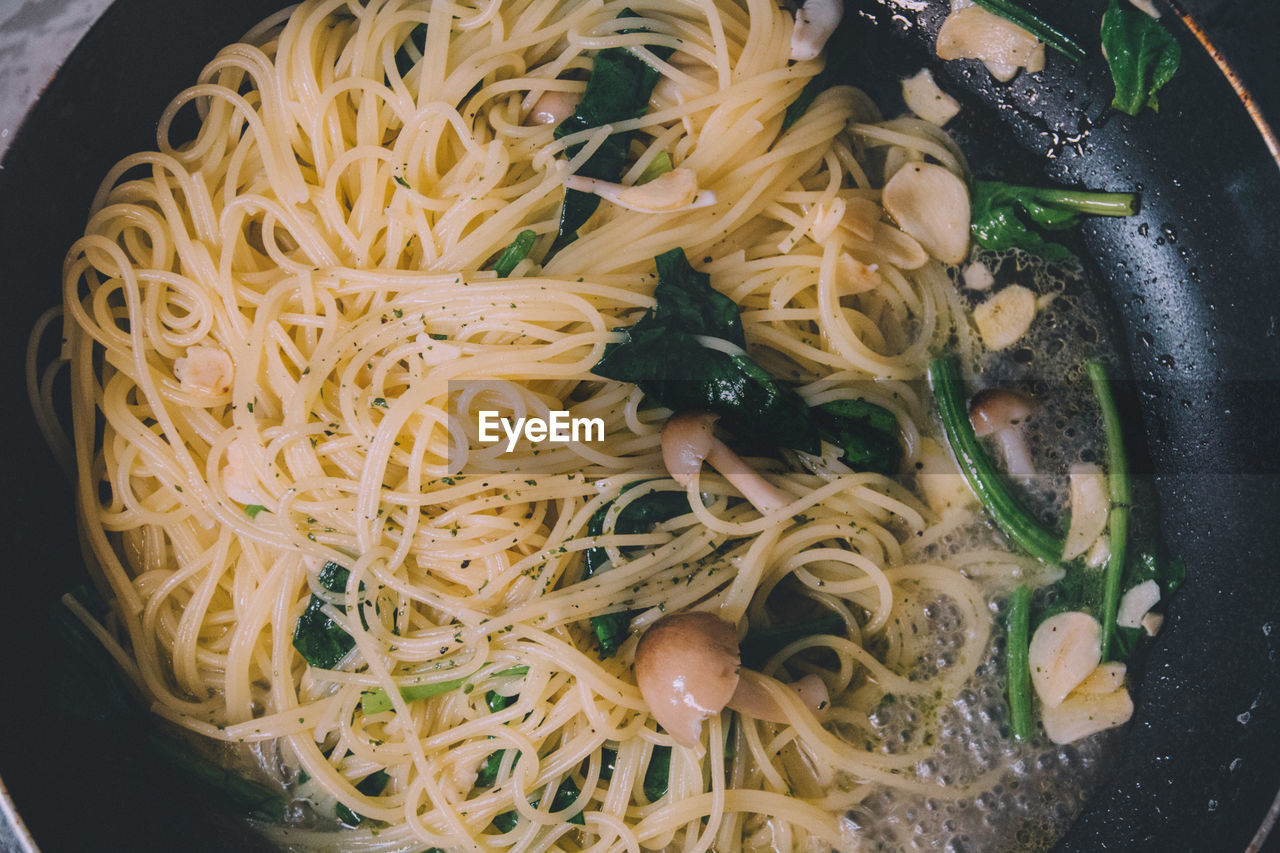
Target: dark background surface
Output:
[{"x": 1197, "y": 773}]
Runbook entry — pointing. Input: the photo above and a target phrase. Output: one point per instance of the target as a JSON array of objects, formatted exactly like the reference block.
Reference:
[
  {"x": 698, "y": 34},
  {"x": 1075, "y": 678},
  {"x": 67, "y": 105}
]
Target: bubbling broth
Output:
[{"x": 754, "y": 605}]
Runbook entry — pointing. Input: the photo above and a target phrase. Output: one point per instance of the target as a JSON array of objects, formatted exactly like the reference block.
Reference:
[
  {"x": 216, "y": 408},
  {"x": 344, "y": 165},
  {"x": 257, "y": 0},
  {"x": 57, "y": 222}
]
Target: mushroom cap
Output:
[
  {"x": 687, "y": 439},
  {"x": 994, "y": 409},
  {"x": 687, "y": 669}
]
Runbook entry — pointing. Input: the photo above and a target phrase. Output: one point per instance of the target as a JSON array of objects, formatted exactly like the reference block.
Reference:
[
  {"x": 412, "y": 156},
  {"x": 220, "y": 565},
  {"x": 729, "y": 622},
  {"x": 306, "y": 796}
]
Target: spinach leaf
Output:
[
  {"x": 1004, "y": 215},
  {"x": 665, "y": 353},
  {"x": 1142, "y": 55},
  {"x": 662, "y": 354},
  {"x": 618, "y": 89},
  {"x": 322, "y": 642},
  {"x": 565, "y": 796},
  {"x": 867, "y": 433},
  {"x": 371, "y": 786},
  {"x": 636, "y": 517},
  {"x": 760, "y": 643},
  {"x": 416, "y": 42},
  {"x": 488, "y": 772},
  {"x": 657, "y": 776},
  {"x": 658, "y": 166},
  {"x": 515, "y": 253}
]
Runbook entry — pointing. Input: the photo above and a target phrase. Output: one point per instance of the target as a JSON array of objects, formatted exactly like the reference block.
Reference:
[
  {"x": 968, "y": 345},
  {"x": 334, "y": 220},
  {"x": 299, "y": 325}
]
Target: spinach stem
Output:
[
  {"x": 1017, "y": 668},
  {"x": 1037, "y": 26},
  {"x": 1121, "y": 500},
  {"x": 981, "y": 473},
  {"x": 1095, "y": 203}
]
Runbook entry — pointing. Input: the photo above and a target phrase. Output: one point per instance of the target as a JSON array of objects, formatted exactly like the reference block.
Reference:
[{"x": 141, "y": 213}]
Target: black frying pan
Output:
[{"x": 1192, "y": 282}]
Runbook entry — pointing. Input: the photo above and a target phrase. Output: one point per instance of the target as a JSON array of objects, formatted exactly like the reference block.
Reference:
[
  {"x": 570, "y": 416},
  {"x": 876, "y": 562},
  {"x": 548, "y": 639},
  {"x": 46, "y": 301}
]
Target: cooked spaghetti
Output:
[{"x": 283, "y": 328}]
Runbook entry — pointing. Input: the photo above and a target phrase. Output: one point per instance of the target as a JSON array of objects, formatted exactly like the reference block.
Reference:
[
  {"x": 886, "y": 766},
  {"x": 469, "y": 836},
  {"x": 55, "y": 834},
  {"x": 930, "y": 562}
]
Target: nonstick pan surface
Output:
[{"x": 1191, "y": 282}]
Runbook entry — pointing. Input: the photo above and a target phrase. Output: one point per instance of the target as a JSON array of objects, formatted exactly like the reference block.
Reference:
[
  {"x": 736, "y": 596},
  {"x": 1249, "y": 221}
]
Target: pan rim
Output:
[{"x": 8, "y": 808}]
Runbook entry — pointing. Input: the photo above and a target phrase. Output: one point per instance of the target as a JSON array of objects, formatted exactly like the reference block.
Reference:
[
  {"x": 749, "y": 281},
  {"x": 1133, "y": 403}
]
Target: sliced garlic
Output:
[
  {"x": 816, "y": 20},
  {"x": 854, "y": 277},
  {"x": 862, "y": 217},
  {"x": 897, "y": 156},
  {"x": 932, "y": 205},
  {"x": 1146, "y": 6},
  {"x": 1135, "y": 603},
  {"x": 207, "y": 371},
  {"x": 827, "y": 219},
  {"x": 1005, "y": 316},
  {"x": 553, "y": 107},
  {"x": 925, "y": 99},
  {"x": 1099, "y": 553},
  {"x": 976, "y": 276},
  {"x": 1083, "y": 714},
  {"x": 696, "y": 79},
  {"x": 669, "y": 192},
  {"x": 237, "y": 476},
  {"x": 1063, "y": 651},
  {"x": 1105, "y": 678},
  {"x": 1090, "y": 503},
  {"x": 1152, "y": 623},
  {"x": 940, "y": 479},
  {"x": 1003, "y": 46},
  {"x": 812, "y": 691},
  {"x": 899, "y": 248}
]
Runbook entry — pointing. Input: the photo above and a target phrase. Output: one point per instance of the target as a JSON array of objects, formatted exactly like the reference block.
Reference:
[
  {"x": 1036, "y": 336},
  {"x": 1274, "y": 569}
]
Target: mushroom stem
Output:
[
  {"x": 1017, "y": 456},
  {"x": 755, "y": 698},
  {"x": 687, "y": 442},
  {"x": 999, "y": 412}
]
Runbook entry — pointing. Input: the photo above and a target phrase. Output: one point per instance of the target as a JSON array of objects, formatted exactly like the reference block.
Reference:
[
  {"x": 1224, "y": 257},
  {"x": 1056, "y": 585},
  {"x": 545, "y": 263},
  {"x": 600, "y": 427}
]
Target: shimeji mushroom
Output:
[
  {"x": 688, "y": 668},
  {"x": 688, "y": 441},
  {"x": 1000, "y": 412}
]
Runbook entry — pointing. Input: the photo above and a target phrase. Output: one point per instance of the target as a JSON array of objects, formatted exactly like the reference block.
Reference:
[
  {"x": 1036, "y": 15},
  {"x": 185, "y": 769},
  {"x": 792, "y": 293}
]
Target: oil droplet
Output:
[
  {"x": 1169, "y": 231},
  {"x": 1166, "y": 360}
]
